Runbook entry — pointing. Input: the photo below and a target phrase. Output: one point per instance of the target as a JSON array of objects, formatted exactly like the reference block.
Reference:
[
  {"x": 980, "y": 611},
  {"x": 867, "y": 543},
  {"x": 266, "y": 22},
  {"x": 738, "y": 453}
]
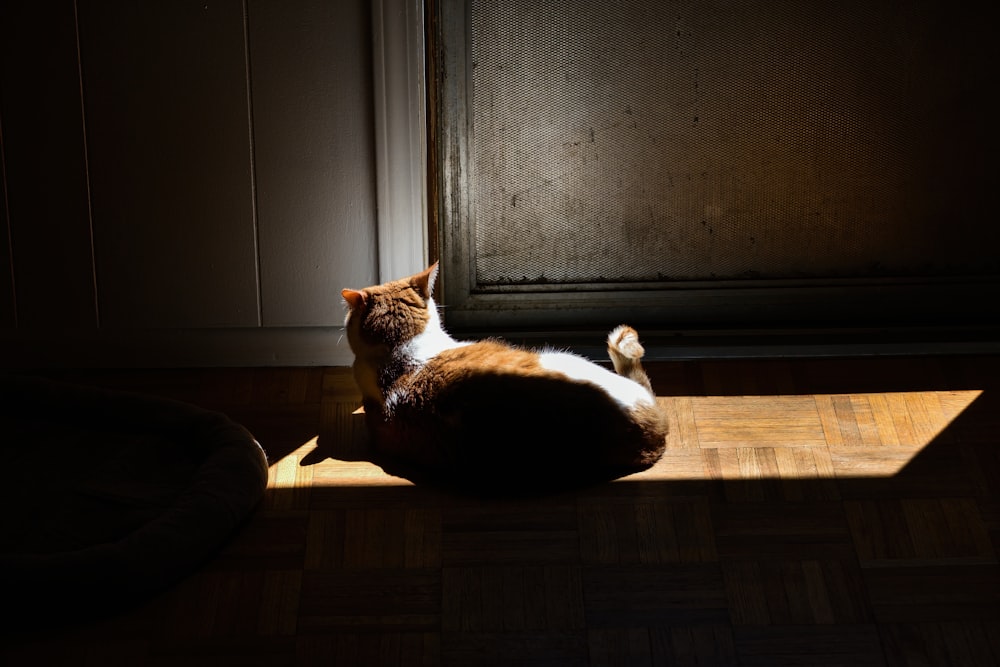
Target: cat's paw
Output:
[{"x": 625, "y": 340}]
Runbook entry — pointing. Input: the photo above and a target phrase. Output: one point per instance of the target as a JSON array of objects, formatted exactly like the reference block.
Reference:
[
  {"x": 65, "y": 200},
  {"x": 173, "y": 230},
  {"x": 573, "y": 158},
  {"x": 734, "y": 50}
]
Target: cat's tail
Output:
[{"x": 626, "y": 355}]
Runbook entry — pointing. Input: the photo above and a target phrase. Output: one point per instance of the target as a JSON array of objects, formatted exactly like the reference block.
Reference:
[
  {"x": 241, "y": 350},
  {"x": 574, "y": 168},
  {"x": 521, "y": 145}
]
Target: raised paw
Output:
[{"x": 625, "y": 340}]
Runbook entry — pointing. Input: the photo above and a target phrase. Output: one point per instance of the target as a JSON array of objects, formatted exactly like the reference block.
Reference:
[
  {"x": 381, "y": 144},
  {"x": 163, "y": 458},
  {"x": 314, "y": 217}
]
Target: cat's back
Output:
[
  {"x": 496, "y": 381},
  {"x": 476, "y": 371},
  {"x": 503, "y": 411},
  {"x": 484, "y": 358}
]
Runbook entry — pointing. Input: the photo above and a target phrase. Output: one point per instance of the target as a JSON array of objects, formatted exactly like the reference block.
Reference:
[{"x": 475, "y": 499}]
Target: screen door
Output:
[{"x": 713, "y": 164}]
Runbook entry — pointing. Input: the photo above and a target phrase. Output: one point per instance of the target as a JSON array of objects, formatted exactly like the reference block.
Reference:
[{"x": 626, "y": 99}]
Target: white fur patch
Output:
[
  {"x": 624, "y": 391},
  {"x": 433, "y": 340}
]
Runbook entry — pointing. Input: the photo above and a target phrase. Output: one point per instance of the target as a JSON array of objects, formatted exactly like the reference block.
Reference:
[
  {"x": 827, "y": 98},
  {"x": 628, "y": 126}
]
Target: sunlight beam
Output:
[
  {"x": 805, "y": 437},
  {"x": 812, "y": 436}
]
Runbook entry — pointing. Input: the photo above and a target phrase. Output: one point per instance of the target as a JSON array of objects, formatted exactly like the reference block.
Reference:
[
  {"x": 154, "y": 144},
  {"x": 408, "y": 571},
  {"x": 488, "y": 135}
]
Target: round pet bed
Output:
[{"x": 110, "y": 496}]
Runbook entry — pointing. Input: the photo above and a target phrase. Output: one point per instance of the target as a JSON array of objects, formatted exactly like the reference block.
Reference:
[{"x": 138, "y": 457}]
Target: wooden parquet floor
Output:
[{"x": 807, "y": 512}]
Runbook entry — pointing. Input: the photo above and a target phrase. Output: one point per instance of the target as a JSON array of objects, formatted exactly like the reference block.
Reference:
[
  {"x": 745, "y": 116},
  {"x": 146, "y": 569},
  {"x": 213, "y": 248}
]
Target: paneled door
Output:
[{"x": 714, "y": 166}]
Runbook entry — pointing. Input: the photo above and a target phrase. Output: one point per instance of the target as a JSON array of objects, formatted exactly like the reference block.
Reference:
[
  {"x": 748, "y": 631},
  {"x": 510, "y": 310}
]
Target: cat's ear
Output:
[
  {"x": 424, "y": 281},
  {"x": 353, "y": 297}
]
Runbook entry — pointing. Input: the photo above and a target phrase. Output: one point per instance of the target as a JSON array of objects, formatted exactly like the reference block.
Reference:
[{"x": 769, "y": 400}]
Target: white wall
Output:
[{"x": 191, "y": 183}]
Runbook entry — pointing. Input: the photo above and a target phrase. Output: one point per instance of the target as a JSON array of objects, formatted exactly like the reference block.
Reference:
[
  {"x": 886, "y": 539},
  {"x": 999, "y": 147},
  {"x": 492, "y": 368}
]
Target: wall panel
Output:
[
  {"x": 45, "y": 164},
  {"x": 8, "y": 317},
  {"x": 190, "y": 183},
  {"x": 168, "y": 131},
  {"x": 312, "y": 102}
]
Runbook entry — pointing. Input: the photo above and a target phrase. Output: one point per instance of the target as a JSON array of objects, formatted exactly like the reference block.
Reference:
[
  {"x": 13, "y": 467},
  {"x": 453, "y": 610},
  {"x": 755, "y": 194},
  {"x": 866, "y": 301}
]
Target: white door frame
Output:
[{"x": 398, "y": 61}]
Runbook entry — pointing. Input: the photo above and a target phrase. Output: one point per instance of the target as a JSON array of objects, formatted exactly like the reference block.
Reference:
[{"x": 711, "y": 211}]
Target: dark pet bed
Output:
[{"x": 108, "y": 497}]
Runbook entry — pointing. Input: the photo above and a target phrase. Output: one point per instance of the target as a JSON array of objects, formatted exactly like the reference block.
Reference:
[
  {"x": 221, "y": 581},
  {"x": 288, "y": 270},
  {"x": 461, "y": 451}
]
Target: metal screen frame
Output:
[{"x": 827, "y": 304}]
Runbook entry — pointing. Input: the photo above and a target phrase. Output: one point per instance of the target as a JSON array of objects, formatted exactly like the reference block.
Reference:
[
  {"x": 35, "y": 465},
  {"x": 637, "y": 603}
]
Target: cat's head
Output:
[{"x": 383, "y": 317}]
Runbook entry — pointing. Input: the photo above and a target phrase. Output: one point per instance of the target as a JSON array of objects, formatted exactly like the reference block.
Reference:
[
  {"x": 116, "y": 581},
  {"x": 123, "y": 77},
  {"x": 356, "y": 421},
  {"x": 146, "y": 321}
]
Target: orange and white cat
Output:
[{"x": 489, "y": 414}]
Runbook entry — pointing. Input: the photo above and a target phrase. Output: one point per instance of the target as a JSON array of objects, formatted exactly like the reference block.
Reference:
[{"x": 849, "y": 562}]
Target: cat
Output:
[{"x": 488, "y": 414}]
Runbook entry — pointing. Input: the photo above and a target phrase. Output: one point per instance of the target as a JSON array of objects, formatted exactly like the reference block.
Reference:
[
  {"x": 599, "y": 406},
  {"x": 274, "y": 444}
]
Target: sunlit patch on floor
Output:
[
  {"x": 803, "y": 437},
  {"x": 814, "y": 436},
  {"x": 291, "y": 472}
]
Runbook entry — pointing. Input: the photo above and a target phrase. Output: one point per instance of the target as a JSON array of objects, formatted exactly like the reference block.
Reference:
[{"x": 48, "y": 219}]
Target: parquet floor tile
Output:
[{"x": 806, "y": 512}]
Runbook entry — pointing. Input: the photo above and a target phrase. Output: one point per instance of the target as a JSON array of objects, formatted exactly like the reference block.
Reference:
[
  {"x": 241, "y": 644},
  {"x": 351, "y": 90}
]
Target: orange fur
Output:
[{"x": 493, "y": 414}]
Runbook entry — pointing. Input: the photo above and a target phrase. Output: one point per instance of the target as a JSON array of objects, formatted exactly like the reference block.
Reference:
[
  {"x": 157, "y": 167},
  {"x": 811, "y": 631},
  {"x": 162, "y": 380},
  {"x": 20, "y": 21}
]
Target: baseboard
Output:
[
  {"x": 175, "y": 348},
  {"x": 776, "y": 344}
]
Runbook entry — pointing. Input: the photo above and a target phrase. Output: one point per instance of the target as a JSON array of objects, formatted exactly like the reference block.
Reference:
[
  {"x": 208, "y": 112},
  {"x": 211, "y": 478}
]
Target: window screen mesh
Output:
[{"x": 678, "y": 141}]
